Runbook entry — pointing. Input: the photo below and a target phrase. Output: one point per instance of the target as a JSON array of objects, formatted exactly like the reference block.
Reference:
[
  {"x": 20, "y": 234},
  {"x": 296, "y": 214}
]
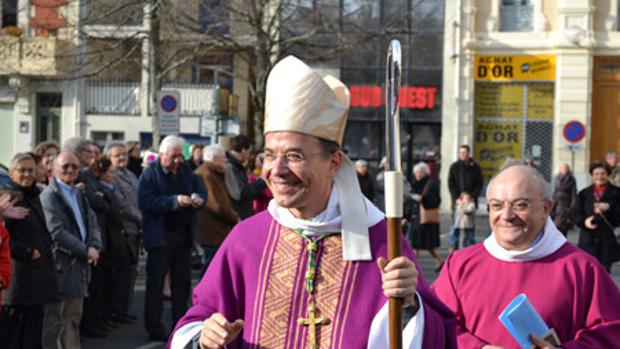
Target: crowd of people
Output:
[
  {"x": 294, "y": 247},
  {"x": 76, "y": 218}
]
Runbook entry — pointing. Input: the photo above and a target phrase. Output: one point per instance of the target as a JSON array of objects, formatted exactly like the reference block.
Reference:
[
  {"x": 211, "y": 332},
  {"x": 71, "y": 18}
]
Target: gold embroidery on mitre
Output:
[{"x": 298, "y": 99}]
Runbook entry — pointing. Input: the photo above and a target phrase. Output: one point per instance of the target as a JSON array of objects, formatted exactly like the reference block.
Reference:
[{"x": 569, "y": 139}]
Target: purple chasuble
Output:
[
  {"x": 569, "y": 288},
  {"x": 258, "y": 275}
]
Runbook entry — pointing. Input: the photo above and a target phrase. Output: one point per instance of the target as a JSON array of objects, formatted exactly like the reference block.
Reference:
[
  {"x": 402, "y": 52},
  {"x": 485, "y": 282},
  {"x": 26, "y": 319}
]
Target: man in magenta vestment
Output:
[
  {"x": 527, "y": 254},
  {"x": 311, "y": 270}
]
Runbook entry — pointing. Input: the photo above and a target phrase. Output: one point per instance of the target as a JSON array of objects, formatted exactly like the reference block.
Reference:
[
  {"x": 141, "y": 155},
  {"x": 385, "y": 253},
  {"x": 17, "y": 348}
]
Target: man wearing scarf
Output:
[
  {"x": 311, "y": 270},
  {"x": 527, "y": 254}
]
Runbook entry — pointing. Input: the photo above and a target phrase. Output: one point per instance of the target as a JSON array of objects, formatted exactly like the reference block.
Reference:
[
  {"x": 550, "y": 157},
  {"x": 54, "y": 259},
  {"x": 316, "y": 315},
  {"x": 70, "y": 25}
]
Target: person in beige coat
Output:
[{"x": 217, "y": 218}]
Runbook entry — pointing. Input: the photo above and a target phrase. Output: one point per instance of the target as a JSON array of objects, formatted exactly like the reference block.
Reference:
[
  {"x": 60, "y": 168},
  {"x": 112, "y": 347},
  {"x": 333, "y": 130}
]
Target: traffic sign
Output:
[
  {"x": 168, "y": 106},
  {"x": 574, "y": 131}
]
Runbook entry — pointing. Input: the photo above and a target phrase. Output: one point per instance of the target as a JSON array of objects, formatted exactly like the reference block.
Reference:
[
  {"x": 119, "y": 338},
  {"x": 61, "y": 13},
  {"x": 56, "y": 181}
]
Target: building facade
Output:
[
  {"x": 60, "y": 77},
  {"x": 522, "y": 77}
]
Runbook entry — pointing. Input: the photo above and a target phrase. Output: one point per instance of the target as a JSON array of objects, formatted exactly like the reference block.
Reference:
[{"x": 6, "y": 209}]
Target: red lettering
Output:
[
  {"x": 420, "y": 98},
  {"x": 376, "y": 96},
  {"x": 355, "y": 96},
  {"x": 431, "y": 91},
  {"x": 409, "y": 97},
  {"x": 402, "y": 97},
  {"x": 366, "y": 96}
]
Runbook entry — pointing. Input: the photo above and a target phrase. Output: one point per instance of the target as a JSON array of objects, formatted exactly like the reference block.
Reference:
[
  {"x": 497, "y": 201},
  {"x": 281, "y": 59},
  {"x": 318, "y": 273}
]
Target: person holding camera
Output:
[{"x": 169, "y": 195}]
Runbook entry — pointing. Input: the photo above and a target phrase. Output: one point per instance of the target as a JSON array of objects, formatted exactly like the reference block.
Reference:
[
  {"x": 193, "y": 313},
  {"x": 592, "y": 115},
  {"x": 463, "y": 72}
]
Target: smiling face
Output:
[
  {"x": 66, "y": 168},
  {"x": 516, "y": 226},
  {"x": 301, "y": 186},
  {"x": 24, "y": 173},
  {"x": 600, "y": 176}
]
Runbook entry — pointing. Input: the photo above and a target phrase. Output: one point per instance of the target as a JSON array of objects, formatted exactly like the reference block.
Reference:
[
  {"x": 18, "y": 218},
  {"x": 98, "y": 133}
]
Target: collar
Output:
[
  {"x": 331, "y": 221},
  {"x": 65, "y": 186},
  {"x": 550, "y": 241}
]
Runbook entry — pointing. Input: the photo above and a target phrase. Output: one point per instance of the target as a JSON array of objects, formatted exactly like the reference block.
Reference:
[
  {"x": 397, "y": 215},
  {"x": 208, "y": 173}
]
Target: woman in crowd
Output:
[
  {"x": 134, "y": 150},
  {"x": 217, "y": 217},
  {"x": 425, "y": 192},
  {"x": 34, "y": 273},
  {"x": 109, "y": 285},
  {"x": 598, "y": 213},
  {"x": 195, "y": 156},
  {"x": 564, "y": 199},
  {"x": 48, "y": 151}
]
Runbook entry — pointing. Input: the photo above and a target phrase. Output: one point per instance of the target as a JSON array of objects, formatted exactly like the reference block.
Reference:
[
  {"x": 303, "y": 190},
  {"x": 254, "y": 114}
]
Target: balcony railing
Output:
[{"x": 123, "y": 98}]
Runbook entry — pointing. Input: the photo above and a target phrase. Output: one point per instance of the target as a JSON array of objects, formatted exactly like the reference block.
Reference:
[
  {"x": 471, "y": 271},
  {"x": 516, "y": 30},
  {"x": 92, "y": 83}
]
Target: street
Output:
[{"x": 135, "y": 337}]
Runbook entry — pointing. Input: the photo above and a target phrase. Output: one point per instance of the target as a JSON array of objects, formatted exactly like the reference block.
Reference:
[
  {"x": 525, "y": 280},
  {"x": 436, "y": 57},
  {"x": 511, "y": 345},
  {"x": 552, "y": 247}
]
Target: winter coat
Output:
[
  {"x": 367, "y": 186},
  {"x": 34, "y": 281},
  {"x": 240, "y": 190},
  {"x": 465, "y": 176},
  {"x": 464, "y": 217},
  {"x": 127, "y": 184},
  {"x": 71, "y": 256},
  {"x": 6, "y": 268},
  {"x": 218, "y": 217},
  {"x": 157, "y": 202},
  {"x": 599, "y": 242},
  {"x": 564, "y": 201}
]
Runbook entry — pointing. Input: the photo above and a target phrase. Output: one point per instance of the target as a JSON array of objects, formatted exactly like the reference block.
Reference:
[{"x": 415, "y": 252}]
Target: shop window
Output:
[{"x": 516, "y": 16}]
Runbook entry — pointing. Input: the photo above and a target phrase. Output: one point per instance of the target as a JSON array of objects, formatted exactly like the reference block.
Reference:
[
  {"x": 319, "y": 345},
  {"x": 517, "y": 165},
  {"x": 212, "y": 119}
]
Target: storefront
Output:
[{"x": 513, "y": 111}]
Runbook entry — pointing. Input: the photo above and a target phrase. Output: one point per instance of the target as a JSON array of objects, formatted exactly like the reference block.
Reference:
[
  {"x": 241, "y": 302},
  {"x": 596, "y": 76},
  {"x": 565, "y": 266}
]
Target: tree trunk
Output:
[{"x": 154, "y": 68}]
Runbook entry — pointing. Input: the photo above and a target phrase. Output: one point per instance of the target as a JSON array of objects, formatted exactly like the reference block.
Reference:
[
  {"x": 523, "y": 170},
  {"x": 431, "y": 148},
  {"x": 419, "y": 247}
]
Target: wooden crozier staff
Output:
[{"x": 393, "y": 181}]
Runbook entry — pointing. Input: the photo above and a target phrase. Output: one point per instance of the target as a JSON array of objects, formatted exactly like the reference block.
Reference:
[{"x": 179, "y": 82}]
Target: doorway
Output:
[
  {"x": 605, "y": 130},
  {"x": 48, "y": 117}
]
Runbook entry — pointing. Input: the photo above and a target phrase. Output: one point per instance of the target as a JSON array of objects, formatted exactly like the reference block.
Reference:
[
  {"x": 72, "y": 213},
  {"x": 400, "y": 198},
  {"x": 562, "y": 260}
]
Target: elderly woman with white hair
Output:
[
  {"x": 423, "y": 232},
  {"x": 217, "y": 217}
]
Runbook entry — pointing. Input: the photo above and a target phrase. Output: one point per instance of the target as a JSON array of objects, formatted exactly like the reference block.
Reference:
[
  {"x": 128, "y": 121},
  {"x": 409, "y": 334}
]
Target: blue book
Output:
[{"x": 521, "y": 319}]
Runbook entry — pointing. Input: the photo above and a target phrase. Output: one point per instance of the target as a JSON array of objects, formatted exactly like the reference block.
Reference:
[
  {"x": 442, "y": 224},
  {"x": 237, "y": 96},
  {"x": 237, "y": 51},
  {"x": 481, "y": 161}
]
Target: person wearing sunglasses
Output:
[{"x": 73, "y": 226}]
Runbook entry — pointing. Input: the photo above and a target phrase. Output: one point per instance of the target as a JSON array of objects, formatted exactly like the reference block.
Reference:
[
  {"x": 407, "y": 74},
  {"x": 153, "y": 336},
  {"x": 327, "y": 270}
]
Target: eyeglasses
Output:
[
  {"x": 291, "y": 157},
  {"x": 67, "y": 166},
  {"x": 517, "y": 206},
  {"x": 24, "y": 170}
]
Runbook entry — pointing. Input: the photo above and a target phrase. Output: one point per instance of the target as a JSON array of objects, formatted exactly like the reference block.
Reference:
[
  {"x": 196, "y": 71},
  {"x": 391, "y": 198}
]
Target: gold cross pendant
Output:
[{"x": 312, "y": 322}]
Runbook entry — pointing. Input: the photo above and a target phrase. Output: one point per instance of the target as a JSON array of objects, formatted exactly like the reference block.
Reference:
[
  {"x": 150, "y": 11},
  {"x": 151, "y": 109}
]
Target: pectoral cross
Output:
[{"x": 312, "y": 322}]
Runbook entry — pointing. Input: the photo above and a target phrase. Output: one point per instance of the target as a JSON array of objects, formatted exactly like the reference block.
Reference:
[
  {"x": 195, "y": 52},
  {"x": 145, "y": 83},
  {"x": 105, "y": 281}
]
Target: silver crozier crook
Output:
[{"x": 393, "y": 181}]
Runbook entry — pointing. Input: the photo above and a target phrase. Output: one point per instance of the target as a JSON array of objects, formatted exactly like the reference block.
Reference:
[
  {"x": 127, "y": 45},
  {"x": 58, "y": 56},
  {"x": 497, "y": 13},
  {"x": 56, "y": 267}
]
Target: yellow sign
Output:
[
  {"x": 540, "y": 101},
  {"x": 494, "y": 143},
  {"x": 498, "y": 100},
  {"x": 514, "y": 68}
]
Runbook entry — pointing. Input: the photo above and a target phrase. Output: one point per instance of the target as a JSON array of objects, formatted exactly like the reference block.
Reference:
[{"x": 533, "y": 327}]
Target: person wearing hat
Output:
[{"x": 311, "y": 270}]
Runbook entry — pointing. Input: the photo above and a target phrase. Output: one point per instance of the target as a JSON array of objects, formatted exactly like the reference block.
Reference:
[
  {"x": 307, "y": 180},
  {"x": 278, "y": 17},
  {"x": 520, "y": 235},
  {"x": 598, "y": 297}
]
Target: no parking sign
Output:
[
  {"x": 574, "y": 131},
  {"x": 168, "y": 106}
]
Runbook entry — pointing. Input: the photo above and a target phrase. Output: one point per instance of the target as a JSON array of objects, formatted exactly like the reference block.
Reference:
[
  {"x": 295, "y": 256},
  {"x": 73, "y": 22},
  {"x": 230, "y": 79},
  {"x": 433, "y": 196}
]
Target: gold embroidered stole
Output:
[{"x": 282, "y": 299}]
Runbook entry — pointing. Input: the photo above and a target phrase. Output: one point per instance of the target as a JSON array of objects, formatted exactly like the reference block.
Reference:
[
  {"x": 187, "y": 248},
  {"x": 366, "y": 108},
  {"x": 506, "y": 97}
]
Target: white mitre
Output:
[{"x": 299, "y": 100}]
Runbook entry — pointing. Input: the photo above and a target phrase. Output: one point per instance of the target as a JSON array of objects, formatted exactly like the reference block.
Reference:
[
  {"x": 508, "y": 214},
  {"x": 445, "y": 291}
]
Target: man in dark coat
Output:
[
  {"x": 241, "y": 192},
  {"x": 465, "y": 175},
  {"x": 73, "y": 227},
  {"x": 169, "y": 195}
]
